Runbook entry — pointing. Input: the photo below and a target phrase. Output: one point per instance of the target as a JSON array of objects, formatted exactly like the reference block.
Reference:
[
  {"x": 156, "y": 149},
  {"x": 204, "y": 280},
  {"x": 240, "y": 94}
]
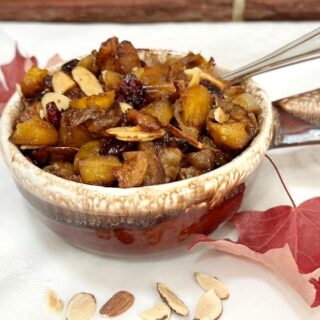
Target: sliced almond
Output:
[
  {"x": 54, "y": 303},
  {"x": 219, "y": 115},
  {"x": 246, "y": 101},
  {"x": 86, "y": 80},
  {"x": 203, "y": 75},
  {"x": 159, "y": 312},
  {"x": 195, "y": 74},
  {"x": 61, "y": 101},
  {"x": 135, "y": 134},
  {"x": 82, "y": 306},
  {"x": 207, "y": 282},
  {"x": 61, "y": 82},
  {"x": 209, "y": 306},
  {"x": 172, "y": 300},
  {"x": 117, "y": 304},
  {"x": 180, "y": 134},
  {"x": 125, "y": 106}
]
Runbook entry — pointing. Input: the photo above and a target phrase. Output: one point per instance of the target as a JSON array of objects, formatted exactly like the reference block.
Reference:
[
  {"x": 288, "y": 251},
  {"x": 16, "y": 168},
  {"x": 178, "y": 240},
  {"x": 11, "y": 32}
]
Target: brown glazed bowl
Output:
[{"x": 142, "y": 220}]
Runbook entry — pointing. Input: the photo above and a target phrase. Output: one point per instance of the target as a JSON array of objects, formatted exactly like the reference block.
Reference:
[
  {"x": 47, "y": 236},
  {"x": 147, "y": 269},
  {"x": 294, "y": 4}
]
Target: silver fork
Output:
[{"x": 305, "y": 48}]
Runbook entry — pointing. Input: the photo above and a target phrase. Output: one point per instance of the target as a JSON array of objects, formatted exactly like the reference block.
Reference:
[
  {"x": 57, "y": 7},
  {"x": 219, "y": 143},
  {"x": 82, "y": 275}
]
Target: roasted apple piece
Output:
[
  {"x": 155, "y": 172},
  {"x": 97, "y": 170},
  {"x": 160, "y": 110},
  {"x": 196, "y": 102},
  {"x": 61, "y": 169},
  {"x": 112, "y": 79},
  {"x": 170, "y": 159},
  {"x": 145, "y": 121},
  {"x": 133, "y": 171},
  {"x": 33, "y": 81},
  {"x": 231, "y": 135},
  {"x": 89, "y": 149},
  {"x": 35, "y": 132},
  {"x": 202, "y": 160},
  {"x": 103, "y": 100}
]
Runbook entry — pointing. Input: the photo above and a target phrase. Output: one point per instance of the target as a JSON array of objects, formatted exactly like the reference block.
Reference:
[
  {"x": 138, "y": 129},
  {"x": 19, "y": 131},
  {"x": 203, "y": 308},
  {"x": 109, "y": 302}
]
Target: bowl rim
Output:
[{"x": 168, "y": 198}]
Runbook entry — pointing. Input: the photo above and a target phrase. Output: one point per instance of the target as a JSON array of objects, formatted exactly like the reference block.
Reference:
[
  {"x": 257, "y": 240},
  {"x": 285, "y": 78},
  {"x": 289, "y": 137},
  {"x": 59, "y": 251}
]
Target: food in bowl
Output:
[
  {"x": 115, "y": 119},
  {"x": 147, "y": 219}
]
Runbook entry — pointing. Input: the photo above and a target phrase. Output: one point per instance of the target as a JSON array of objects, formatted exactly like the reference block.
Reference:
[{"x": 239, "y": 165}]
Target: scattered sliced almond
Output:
[
  {"x": 207, "y": 282},
  {"x": 117, "y": 304},
  {"x": 172, "y": 300},
  {"x": 219, "y": 115},
  {"x": 159, "y": 312},
  {"x": 61, "y": 101},
  {"x": 194, "y": 72},
  {"x": 209, "y": 306},
  {"x": 86, "y": 80},
  {"x": 82, "y": 306},
  {"x": 125, "y": 106},
  {"x": 135, "y": 134},
  {"x": 54, "y": 303},
  {"x": 61, "y": 82},
  {"x": 180, "y": 134}
]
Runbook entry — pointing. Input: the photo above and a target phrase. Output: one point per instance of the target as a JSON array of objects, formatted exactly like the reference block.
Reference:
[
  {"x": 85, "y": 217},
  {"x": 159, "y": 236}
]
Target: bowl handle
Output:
[{"x": 297, "y": 120}]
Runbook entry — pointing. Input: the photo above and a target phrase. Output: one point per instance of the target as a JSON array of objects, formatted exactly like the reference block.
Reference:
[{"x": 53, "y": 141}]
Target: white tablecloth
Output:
[{"x": 33, "y": 259}]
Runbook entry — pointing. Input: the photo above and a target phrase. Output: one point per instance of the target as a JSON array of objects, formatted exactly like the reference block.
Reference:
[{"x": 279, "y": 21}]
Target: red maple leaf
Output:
[
  {"x": 14, "y": 71},
  {"x": 285, "y": 238}
]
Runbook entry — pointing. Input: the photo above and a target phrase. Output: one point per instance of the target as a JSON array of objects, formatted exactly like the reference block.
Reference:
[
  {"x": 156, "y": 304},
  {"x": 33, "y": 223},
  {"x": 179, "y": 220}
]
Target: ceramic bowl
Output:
[{"x": 142, "y": 220}]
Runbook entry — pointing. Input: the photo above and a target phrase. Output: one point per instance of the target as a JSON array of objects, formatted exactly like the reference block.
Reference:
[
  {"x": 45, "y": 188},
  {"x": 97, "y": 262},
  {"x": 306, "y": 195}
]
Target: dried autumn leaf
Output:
[
  {"x": 207, "y": 282},
  {"x": 82, "y": 306},
  {"x": 13, "y": 72},
  {"x": 209, "y": 306},
  {"x": 172, "y": 300},
  {"x": 117, "y": 304},
  {"x": 159, "y": 312},
  {"x": 293, "y": 231}
]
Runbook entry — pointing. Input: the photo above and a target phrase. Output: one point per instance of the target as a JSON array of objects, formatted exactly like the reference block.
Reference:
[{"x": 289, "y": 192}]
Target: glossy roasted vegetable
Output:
[
  {"x": 35, "y": 132},
  {"x": 33, "y": 81},
  {"x": 98, "y": 169},
  {"x": 196, "y": 102},
  {"x": 87, "y": 150}
]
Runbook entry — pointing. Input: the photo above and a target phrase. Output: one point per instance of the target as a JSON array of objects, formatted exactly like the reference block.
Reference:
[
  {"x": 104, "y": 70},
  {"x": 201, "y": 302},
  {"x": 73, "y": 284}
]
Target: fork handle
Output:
[{"x": 305, "y": 48}]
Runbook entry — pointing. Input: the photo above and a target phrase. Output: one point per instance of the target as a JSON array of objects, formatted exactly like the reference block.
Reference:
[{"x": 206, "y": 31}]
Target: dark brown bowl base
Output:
[{"x": 140, "y": 238}]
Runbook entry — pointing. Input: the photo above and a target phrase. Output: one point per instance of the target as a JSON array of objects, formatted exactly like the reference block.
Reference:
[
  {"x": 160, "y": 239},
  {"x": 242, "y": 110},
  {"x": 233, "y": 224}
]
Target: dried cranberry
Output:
[
  {"x": 132, "y": 90},
  {"x": 214, "y": 90},
  {"x": 113, "y": 147},
  {"x": 53, "y": 114},
  {"x": 40, "y": 157},
  {"x": 68, "y": 66}
]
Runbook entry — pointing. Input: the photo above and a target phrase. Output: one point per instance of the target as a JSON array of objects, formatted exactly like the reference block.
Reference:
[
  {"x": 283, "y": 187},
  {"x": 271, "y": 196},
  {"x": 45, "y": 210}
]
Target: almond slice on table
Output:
[
  {"x": 135, "y": 134},
  {"x": 82, "y": 306},
  {"x": 159, "y": 312},
  {"x": 209, "y": 306},
  {"x": 54, "y": 303},
  {"x": 172, "y": 300},
  {"x": 61, "y": 82},
  {"x": 86, "y": 80},
  {"x": 117, "y": 304},
  {"x": 207, "y": 282},
  {"x": 61, "y": 101}
]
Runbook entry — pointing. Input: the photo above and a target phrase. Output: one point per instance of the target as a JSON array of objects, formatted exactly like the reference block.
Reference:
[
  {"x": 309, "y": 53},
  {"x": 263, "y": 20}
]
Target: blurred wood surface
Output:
[{"x": 127, "y": 11}]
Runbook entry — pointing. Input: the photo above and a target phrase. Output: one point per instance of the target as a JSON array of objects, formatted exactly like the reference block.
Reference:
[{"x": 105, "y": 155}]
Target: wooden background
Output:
[{"x": 127, "y": 11}]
